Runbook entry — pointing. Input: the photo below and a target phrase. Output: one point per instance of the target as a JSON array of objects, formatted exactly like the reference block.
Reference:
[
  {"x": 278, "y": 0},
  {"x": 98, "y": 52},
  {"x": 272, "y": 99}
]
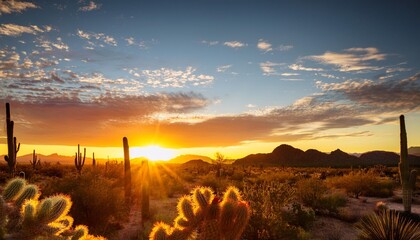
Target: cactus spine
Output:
[
  {"x": 203, "y": 216},
  {"x": 145, "y": 190},
  {"x": 127, "y": 172},
  {"x": 408, "y": 179},
  {"x": 78, "y": 160},
  {"x": 35, "y": 161},
  {"x": 34, "y": 219},
  {"x": 12, "y": 147}
]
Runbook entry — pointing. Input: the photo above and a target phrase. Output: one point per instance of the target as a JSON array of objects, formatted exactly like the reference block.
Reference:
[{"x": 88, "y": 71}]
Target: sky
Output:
[{"x": 206, "y": 76}]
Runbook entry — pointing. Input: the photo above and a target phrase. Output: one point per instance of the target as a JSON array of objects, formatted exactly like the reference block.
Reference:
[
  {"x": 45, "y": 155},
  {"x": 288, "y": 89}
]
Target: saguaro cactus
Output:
[
  {"x": 93, "y": 160},
  {"x": 78, "y": 160},
  {"x": 203, "y": 216},
  {"x": 35, "y": 161},
  {"x": 127, "y": 171},
  {"x": 145, "y": 190},
  {"x": 12, "y": 147},
  {"x": 408, "y": 179}
]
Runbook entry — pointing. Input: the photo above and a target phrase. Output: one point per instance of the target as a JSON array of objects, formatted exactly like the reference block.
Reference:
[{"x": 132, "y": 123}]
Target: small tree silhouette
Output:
[{"x": 219, "y": 160}]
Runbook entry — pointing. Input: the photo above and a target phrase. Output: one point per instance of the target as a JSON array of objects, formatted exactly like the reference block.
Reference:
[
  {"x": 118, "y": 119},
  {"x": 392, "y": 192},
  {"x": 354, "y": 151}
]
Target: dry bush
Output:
[{"x": 363, "y": 183}]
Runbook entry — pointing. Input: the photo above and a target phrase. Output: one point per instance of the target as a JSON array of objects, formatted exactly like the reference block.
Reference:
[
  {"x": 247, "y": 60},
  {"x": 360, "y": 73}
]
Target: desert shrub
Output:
[
  {"x": 215, "y": 183},
  {"x": 364, "y": 183},
  {"x": 53, "y": 170},
  {"x": 94, "y": 198},
  {"x": 268, "y": 202},
  {"x": 300, "y": 216},
  {"x": 310, "y": 191},
  {"x": 314, "y": 193},
  {"x": 388, "y": 225}
]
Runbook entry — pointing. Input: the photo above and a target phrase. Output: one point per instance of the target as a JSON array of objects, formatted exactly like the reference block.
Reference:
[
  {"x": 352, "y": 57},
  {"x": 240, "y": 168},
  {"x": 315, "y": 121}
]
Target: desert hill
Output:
[{"x": 286, "y": 155}]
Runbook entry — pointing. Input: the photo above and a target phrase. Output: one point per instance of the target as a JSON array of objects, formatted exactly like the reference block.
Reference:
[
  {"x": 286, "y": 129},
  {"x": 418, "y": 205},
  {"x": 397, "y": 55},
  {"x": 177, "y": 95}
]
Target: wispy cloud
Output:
[
  {"x": 167, "y": 77},
  {"x": 289, "y": 74},
  {"x": 284, "y": 47},
  {"x": 299, "y": 67},
  {"x": 210, "y": 43},
  {"x": 96, "y": 39},
  {"x": 223, "y": 68},
  {"x": 352, "y": 59},
  {"x": 264, "y": 46},
  {"x": 268, "y": 68},
  {"x": 14, "y": 30},
  {"x": 11, "y": 6},
  {"x": 132, "y": 42},
  {"x": 235, "y": 44},
  {"x": 90, "y": 7},
  {"x": 49, "y": 45}
]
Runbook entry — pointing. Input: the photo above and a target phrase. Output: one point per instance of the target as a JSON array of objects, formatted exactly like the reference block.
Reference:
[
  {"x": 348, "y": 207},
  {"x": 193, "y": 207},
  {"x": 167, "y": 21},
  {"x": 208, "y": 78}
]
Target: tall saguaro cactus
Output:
[
  {"x": 78, "y": 160},
  {"x": 35, "y": 161},
  {"x": 408, "y": 179},
  {"x": 93, "y": 160},
  {"x": 127, "y": 171},
  {"x": 12, "y": 147}
]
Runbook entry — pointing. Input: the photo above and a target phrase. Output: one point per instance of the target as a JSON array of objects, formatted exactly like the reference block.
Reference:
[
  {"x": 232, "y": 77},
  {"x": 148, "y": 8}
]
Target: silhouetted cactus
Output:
[
  {"x": 145, "y": 190},
  {"x": 35, "y": 161},
  {"x": 408, "y": 179},
  {"x": 203, "y": 216},
  {"x": 127, "y": 172},
  {"x": 78, "y": 160},
  {"x": 12, "y": 147},
  {"x": 23, "y": 216},
  {"x": 93, "y": 160}
]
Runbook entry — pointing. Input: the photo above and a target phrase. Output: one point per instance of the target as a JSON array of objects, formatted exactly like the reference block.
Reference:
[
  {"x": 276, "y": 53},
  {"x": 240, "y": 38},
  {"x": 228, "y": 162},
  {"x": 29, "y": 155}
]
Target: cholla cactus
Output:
[
  {"x": 203, "y": 216},
  {"x": 23, "y": 216}
]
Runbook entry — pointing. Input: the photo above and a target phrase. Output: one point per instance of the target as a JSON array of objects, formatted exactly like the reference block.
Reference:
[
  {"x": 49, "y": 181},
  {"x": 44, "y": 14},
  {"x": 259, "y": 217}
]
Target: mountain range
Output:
[
  {"x": 286, "y": 155},
  {"x": 283, "y": 155}
]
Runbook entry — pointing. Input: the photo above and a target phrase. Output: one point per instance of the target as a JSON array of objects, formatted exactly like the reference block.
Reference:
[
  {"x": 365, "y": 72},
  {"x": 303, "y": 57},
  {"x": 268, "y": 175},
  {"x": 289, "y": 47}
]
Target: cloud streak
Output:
[
  {"x": 14, "y": 30},
  {"x": 10, "y": 6}
]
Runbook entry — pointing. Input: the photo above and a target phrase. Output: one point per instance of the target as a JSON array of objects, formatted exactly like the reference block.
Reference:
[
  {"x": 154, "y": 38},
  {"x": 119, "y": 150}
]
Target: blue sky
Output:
[{"x": 235, "y": 73}]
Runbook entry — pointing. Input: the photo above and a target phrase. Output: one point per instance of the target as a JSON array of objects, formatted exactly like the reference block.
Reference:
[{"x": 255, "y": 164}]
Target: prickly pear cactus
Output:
[
  {"x": 203, "y": 216},
  {"x": 23, "y": 216}
]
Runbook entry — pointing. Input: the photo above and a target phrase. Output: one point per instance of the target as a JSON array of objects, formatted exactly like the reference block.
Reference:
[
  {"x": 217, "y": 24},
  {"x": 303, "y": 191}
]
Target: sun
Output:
[{"x": 153, "y": 153}]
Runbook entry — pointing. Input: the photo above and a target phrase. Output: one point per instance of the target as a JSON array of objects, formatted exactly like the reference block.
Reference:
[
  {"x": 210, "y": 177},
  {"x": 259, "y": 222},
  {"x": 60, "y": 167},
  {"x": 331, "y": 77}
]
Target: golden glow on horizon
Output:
[{"x": 153, "y": 153}]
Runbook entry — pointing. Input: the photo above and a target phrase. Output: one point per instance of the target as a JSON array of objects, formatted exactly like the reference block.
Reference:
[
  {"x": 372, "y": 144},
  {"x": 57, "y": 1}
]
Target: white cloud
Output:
[
  {"x": 223, "y": 68},
  {"x": 96, "y": 39},
  {"x": 49, "y": 45},
  {"x": 90, "y": 7},
  {"x": 132, "y": 42},
  {"x": 15, "y": 30},
  {"x": 299, "y": 67},
  {"x": 234, "y": 44},
  {"x": 268, "y": 68},
  {"x": 210, "y": 43},
  {"x": 352, "y": 59},
  {"x": 289, "y": 74},
  {"x": 251, "y": 105},
  {"x": 10, "y": 6},
  {"x": 264, "y": 45},
  {"x": 167, "y": 77}
]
